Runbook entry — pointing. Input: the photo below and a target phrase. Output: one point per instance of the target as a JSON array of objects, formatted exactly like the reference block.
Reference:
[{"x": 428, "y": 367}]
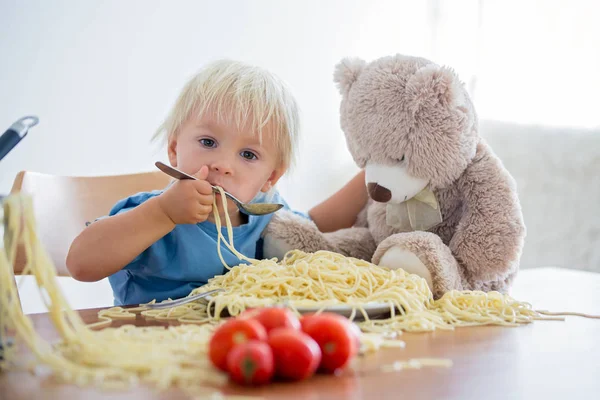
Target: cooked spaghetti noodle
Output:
[
  {"x": 112, "y": 357},
  {"x": 172, "y": 356},
  {"x": 324, "y": 279}
]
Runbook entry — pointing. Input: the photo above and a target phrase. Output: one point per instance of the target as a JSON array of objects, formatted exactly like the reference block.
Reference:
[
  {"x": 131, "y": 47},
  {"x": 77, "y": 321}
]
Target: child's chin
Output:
[{"x": 231, "y": 208}]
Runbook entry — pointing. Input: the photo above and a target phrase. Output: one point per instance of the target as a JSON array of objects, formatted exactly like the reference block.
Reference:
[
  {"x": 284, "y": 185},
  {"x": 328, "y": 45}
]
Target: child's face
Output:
[{"x": 235, "y": 159}]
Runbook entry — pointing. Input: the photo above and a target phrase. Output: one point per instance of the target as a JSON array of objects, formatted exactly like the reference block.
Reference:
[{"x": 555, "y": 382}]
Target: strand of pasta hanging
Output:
[
  {"x": 220, "y": 236},
  {"x": 112, "y": 357}
]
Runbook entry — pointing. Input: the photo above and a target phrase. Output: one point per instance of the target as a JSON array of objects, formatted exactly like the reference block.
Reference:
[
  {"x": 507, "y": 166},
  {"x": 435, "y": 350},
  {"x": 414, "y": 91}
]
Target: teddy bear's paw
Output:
[
  {"x": 396, "y": 257},
  {"x": 275, "y": 247},
  {"x": 352, "y": 242},
  {"x": 287, "y": 231}
]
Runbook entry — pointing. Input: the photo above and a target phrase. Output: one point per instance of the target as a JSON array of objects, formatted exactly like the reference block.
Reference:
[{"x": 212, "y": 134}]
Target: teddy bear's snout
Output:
[{"x": 379, "y": 193}]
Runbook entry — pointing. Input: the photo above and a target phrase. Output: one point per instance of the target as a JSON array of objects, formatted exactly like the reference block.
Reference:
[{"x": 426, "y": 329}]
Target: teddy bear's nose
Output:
[{"x": 379, "y": 193}]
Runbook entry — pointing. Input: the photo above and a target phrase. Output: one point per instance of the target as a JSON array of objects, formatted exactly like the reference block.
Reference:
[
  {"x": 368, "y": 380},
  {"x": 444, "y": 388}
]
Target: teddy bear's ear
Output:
[
  {"x": 433, "y": 84},
  {"x": 346, "y": 73}
]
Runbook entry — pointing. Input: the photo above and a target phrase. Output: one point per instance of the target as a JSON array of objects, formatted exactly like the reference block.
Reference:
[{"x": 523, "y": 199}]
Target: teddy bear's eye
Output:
[{"x": 401, "y": 159}]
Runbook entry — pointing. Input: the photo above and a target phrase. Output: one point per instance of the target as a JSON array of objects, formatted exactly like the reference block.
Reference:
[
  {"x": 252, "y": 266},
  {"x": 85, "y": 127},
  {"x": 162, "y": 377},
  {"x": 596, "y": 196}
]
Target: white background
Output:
[{"x": 101, "y": 75}]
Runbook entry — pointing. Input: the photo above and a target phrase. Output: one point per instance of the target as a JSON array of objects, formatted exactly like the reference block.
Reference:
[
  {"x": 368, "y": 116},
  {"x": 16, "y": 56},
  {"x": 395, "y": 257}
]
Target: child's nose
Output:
[{"x": 222, "y": 168}]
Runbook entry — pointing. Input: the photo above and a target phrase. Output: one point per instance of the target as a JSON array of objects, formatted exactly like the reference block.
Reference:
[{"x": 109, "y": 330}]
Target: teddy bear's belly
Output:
[{"x": 377, "y": 223}]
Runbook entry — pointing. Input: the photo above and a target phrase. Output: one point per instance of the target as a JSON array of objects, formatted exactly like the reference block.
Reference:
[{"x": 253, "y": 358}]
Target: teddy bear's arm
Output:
[
  {"x": 352, "y": 242},
  {"x": 287, "y": 231},
  {"x": 489, "y": 237}
]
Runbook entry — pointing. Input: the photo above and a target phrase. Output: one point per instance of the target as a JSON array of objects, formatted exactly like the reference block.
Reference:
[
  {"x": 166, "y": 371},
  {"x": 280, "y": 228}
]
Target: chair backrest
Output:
[{"x": 63, "y": 204}]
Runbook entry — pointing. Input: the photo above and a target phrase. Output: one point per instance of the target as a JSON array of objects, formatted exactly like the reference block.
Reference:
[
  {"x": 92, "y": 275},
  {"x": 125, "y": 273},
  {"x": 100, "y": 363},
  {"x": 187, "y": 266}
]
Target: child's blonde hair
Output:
[{"x": 242, "y": 92}]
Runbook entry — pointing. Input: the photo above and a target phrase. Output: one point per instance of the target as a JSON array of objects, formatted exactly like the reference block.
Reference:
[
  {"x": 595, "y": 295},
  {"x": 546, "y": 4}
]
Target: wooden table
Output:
[{"x": 544, "y": 360}]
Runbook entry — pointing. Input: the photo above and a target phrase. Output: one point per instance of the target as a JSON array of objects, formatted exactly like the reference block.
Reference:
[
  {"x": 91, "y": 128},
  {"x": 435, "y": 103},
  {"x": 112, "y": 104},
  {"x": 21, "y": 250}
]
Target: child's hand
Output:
[{"x": 188, "y": 201}]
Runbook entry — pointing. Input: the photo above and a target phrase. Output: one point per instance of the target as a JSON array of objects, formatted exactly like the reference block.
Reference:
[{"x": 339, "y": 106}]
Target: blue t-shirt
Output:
[{"x": 186, "y": 257}]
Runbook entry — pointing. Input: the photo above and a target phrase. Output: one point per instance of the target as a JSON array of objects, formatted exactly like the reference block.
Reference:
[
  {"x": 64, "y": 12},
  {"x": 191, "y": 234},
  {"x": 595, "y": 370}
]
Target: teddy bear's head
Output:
[{"x": 409, "y": 122}]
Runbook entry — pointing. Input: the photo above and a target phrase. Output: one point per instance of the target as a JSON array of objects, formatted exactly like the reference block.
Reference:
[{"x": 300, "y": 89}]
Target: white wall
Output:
[{"x": 102, "y": 74}]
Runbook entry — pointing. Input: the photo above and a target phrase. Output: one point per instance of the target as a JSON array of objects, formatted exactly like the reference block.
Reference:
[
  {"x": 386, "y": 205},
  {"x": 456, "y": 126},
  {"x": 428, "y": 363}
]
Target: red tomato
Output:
[
  {"x": 297, "y": 355},
  {"x": 248, "y": 313},
  {"x": 306, "y": 319},
  {"x": 276, "y": 317},
  {"x": 336, "y": 337},
  {"x": 309, "y": 318},
  {"x": 251, "y": 363},
  {"x": 231, "y": 333}
]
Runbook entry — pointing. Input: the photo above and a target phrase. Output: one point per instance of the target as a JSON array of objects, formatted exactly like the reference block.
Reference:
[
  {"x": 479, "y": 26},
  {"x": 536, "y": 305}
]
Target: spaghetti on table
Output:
[{"x": 98, "y": 354}]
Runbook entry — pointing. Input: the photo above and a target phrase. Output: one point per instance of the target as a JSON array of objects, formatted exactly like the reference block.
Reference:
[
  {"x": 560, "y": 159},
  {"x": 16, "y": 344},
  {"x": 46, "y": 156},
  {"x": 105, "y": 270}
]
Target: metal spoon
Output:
[
  {"x": 184, "y": 300},
  {"x": 246, "y": 208}
]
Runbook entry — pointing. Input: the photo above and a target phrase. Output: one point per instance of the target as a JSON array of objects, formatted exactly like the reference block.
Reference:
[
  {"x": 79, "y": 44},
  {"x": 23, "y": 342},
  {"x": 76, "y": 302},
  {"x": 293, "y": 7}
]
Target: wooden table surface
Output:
[{"x": 544, "y": 360}]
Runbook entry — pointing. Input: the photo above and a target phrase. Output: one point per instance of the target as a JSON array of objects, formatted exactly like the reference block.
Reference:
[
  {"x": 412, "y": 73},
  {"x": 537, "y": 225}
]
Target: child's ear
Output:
[
  {"x": 172, "y": 151},
  {"x": 275, "y": 176}
]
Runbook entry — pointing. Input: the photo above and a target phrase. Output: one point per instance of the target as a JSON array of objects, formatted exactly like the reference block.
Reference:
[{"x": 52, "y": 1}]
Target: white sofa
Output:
[{"x": 558, "y": 180}]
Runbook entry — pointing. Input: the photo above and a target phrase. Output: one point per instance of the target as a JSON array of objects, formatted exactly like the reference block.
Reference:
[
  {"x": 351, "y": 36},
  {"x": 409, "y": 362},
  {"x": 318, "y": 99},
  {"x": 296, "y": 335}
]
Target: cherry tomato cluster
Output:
[{"x": 266, "y": 343}]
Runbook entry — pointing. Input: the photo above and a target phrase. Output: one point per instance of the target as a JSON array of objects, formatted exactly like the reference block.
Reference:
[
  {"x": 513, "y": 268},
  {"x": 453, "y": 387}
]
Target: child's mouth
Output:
[{"x": 218, "y": 186}]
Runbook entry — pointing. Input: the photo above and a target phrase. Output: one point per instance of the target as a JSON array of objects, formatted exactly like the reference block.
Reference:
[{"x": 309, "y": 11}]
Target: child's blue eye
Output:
[
  {"x": 207, "y": 142},
  {"x": 248, "y": 155}
]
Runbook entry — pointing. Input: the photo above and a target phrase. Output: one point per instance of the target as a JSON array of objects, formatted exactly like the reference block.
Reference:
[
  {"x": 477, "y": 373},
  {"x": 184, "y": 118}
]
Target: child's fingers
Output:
[
  {"x": 206, "y": 199},
  {"x": 202, "y": 173},
  {"x": 204, "y": 209},
  {"x": 203, "y": 188}
]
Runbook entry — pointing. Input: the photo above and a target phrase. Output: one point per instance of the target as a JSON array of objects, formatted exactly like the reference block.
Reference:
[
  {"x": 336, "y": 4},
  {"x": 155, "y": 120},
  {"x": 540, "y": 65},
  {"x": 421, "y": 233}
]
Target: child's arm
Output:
[
  {"x": 341, "y": 209},
  {"x": 108, "y": 245}
]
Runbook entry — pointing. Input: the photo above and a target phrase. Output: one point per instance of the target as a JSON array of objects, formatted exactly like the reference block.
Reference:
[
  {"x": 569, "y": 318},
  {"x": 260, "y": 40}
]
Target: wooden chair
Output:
[{"x": 63, "y": 204}]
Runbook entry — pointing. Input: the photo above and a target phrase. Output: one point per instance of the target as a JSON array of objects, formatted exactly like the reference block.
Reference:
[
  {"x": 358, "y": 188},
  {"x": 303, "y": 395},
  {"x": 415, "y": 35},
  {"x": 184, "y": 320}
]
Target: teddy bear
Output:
[{"x": 441, "y": 204}]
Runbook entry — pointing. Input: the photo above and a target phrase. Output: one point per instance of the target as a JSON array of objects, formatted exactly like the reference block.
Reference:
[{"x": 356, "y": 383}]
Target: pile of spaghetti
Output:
[
  {"x": 323, "y": 279},
  {"x": 118, "y": 357},
  {"x": 317, "y": 281}
]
